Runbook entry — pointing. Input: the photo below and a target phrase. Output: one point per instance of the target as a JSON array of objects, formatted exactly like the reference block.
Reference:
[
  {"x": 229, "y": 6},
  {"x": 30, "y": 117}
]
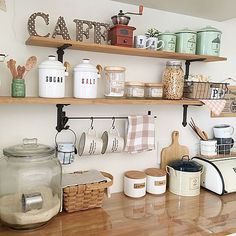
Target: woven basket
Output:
[{"x": 85, "y": 196}]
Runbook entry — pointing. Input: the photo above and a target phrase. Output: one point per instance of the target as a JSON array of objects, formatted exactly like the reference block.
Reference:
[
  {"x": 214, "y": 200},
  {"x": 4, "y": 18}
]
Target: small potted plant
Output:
[{"x": 152, "y": 40}]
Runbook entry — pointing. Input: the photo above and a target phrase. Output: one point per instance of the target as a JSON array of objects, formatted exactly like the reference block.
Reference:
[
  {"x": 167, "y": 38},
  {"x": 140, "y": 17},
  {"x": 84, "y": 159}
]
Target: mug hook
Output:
[
  {"x": 91, "y": 126},
  {"x": 113, "y": 122}
]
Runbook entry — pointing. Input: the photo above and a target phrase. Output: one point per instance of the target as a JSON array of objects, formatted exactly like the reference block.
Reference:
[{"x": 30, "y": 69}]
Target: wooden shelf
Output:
[
  {"x": 55, "y": 43},
  {"x": 97, "y": 101}
]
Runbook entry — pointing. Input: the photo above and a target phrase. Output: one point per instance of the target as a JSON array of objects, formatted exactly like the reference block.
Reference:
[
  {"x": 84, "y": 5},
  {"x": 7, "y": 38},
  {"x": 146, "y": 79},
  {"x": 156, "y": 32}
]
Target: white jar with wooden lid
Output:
[
  {"x": 135, "y": 183},
  {"x": 156, "y": 180}
]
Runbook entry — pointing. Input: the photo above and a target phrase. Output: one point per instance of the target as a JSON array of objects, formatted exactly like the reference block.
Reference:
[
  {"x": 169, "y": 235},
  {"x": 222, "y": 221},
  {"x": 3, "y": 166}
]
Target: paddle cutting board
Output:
[{"x": 174, "y": 152}]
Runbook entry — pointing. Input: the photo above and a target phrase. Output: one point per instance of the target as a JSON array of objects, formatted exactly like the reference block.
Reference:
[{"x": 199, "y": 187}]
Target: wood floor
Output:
[{"x": 168, "y": 214}]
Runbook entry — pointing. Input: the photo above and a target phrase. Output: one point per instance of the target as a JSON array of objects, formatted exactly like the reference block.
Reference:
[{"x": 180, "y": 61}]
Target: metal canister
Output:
[{"x": 31, "y": 201}]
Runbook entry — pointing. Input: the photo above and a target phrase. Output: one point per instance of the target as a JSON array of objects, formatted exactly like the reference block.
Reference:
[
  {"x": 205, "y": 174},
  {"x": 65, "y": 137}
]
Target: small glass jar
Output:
[
  {"x": 153, "y": 90},
  {"x": 134, "y": 89},
  {"x": 18, "y": 88},
  {"x": 173, "y": 80},
  {"x": 114, "y": 81},
  {"x": 30, "y": 185}
]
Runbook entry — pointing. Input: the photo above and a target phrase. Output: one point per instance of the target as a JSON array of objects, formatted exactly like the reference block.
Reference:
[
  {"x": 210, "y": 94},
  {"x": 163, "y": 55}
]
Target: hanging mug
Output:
[
  {"x": 154, "y": 44},
  {"x": 66, "y": 151}
]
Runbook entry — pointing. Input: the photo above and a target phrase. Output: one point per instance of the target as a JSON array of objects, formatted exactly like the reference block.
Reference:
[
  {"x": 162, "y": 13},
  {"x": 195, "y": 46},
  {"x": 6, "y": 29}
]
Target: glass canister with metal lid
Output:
[
  {"x": 173, "y": 80},
  {"x": 114, "y": 81},
  {"x": 30, "y": 185}
]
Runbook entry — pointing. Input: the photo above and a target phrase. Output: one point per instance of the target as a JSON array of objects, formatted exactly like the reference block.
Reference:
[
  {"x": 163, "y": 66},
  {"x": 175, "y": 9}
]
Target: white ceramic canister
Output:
[
  {"x": 52, "y": 78},
  {"x": 184, "y": 177},
  {"x": 156, "y": 180},
  {"x": 208, "y": 41},
  {"x": 135, "y": 183},
  {"x": 85, "y": 80}
]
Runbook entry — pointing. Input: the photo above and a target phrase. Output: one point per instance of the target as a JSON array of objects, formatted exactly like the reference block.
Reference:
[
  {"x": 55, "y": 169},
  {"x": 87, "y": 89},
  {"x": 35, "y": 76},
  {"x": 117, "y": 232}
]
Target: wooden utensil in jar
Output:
[
  {"x": 30, "y": 63},
  {"x": 20, "y": 72},
  {"x": 201, "y": 134},
  {"x": 11, "y": 64}
]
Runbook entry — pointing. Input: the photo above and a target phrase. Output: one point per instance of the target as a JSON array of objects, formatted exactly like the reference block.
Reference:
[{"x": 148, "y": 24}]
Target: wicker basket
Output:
[
  {"x": 85, "y": 196},
  {"x": 204, "y": 90}
]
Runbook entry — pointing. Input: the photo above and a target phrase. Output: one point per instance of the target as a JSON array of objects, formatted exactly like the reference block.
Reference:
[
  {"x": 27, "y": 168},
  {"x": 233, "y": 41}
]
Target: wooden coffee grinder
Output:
[{"x": 121, "y": 34}]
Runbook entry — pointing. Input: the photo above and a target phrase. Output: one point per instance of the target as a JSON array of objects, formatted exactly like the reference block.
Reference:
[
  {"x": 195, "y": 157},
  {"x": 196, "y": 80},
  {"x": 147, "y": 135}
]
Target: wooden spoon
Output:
[
  {"x": 20, "y": 72},
  {"x": 11, "y": 64},
  {"x": 30, "y": 63}
]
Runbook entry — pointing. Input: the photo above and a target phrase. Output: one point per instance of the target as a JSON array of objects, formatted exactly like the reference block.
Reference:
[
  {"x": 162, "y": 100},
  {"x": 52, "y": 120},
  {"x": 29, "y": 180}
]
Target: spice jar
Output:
[
  {"x": 18, "y": 88},
  {"x": 173, "y": 80},
  {"x": 134, "y": 89},
  {"x": 30, "y": 185},
  {"x": 153, "y": 90},
  {"x": 114, "y": 81}
]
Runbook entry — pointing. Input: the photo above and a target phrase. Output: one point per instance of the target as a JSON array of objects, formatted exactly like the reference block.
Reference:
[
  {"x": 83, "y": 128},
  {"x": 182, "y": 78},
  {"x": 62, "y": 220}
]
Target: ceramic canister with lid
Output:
[
  {"x": 135, "y": 183},
  {"x": 184, "y": 177},
  {"x": 186, "y": 41},
  {"x": 156, "y": 180},
  {"x": 169, "y": 41},
  {"x": 208, "y": 41},
  {"x": 52, "y": 78},
  {"x": 86, "y": 80}
]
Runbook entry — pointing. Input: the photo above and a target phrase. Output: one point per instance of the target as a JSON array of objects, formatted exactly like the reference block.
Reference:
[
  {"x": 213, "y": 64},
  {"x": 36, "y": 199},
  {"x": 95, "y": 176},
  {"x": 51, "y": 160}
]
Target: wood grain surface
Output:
[
  {"x": 174, "y": 152},
  {"x": 166, "y": 214}
]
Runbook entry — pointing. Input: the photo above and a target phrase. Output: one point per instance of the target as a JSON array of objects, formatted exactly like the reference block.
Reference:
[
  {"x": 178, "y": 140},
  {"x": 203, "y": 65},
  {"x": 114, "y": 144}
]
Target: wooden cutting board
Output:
[{"x": 174, "y": 152}]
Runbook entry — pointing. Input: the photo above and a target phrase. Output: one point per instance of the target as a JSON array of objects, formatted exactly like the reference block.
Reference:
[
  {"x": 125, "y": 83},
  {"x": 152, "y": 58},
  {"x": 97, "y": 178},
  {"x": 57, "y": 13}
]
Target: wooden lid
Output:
[
  {"x": 155, "y": 172},
  {"x": 153, "y": 85},
  {"x": 134, "y": 174}
]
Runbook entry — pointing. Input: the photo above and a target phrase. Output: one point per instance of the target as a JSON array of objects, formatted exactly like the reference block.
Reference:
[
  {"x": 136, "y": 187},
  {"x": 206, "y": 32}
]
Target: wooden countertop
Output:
[{"x": 151, "y": 215}]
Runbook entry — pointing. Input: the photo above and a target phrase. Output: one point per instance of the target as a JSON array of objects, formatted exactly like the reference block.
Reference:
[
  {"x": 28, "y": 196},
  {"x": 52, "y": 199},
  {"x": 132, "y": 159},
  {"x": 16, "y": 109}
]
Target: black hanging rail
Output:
[{"x": 62, "y": 119}]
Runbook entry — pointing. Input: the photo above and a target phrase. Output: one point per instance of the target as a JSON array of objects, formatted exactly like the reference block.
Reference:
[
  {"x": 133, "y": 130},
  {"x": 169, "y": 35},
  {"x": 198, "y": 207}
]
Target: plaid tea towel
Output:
[
  {"x": 216, "y": 106},
  {"x": 140, "y": 134}
]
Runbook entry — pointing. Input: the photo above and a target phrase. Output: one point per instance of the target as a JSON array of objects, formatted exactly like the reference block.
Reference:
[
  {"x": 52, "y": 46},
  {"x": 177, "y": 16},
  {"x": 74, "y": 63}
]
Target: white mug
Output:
[
  {"x": 112, "y": 141},
  {"x": 65, "y": 152},
  {"x": 223, "y": 131},
  {"x": 140, "y": 41},
  {"x": 89, "y": 144},
  {"x": 153, "y": 42},
  {"x": 208, "y": 147}
]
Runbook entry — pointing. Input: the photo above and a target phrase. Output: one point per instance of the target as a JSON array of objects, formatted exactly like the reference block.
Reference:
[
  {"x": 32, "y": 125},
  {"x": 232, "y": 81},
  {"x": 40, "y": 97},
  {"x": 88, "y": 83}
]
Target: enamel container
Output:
[
  {"x": 85, "y": 80},
  {"x": 52, "y": 78}
]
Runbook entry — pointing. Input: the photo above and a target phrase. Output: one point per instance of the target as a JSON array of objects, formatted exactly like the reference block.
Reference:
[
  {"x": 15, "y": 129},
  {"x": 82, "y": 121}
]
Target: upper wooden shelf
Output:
[
  {"x": 97, "y": 101},
  {"x": 55, "y": 43}
]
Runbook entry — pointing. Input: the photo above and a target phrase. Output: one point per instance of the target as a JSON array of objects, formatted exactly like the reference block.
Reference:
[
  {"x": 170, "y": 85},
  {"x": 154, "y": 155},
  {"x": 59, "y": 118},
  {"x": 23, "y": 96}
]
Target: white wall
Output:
[{"x": 20, "y": 121}]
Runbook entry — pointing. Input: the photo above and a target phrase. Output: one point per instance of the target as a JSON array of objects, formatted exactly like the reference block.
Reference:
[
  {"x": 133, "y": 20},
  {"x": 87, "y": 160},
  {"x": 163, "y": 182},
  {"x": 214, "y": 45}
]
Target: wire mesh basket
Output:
[{"x": 204, "y": 90}]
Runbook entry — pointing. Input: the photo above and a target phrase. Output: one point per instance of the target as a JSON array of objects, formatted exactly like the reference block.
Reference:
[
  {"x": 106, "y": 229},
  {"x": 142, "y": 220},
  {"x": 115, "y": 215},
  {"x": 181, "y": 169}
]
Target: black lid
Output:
[{"x": 185, "y": 165}]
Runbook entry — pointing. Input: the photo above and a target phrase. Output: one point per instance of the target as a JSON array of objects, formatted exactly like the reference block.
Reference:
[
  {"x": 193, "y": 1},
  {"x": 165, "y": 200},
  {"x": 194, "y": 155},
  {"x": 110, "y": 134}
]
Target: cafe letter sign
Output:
[{"x": 100, "y": 29}]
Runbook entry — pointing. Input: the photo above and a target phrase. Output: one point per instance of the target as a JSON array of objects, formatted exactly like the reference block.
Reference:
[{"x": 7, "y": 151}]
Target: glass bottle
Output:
[{"x": 173, "y": 80}]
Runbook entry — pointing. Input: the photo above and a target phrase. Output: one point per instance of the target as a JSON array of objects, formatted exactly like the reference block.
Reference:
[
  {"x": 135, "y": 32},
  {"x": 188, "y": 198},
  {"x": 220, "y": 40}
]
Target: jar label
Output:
[
  {"x": 156, "y": 92},
  {"x": 137, "y": 92},
  {"x": 194, "y": 183},
  {"x": 138, "y": 186},
  {"x": 159, "y": 182}
]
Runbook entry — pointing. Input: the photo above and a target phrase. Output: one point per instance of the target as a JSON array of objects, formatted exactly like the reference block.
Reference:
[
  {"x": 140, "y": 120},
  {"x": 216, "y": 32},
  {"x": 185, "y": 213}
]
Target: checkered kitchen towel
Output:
[
  {"x": 140, "y": 134},
  {"x": 216, "y": 106}
]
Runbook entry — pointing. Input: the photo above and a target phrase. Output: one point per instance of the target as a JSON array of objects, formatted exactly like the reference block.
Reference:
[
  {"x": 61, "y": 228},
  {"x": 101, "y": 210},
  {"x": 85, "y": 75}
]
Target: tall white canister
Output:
[
  {"x": 86, "y": 79},
  {"x": 135, "y": 183},
  {"x": 52, "y": 78}
]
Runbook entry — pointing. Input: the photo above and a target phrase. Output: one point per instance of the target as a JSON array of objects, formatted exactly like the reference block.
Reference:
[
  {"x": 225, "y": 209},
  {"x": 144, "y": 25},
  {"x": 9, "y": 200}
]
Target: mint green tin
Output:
[
  {"x": 18, "y": 88},
  {"x": 169, "y": 41},
  {"x": 208, "y": 41},
  {"x": 186, "y": 41}
]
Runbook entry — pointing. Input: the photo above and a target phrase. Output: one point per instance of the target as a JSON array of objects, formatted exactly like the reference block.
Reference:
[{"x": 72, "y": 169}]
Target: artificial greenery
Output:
[{"x": 152, "y": 32}]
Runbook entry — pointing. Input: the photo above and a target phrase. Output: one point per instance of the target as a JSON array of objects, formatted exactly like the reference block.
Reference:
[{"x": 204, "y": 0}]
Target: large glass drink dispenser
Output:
[{"x": 30, "y": 185}]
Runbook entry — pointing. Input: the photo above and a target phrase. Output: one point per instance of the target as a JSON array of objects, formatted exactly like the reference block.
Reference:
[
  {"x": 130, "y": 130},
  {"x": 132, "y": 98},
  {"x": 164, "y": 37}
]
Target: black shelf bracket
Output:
[
  {"x": 60, "y": 51},
  {"x": 185, "y": 112},
  {"x": 187, "y": 66}
]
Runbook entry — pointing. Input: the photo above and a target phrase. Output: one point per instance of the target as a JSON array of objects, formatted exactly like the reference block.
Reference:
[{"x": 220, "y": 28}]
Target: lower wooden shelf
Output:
[{"x": 97, "y": 101}]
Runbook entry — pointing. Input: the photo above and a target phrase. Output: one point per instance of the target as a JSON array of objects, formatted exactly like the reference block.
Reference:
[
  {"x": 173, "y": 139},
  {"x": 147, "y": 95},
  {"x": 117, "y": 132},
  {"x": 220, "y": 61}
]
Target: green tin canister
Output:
[
  {"x": 169, "y": 41},
  {"x": 186, "y": 41},
  {"x": 208, "y": 41},
  {"x": 18, "y": 88}
]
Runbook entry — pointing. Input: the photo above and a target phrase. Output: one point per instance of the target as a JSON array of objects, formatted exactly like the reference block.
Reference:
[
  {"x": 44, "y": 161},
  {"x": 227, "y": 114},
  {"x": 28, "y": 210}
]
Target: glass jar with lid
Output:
[
  {"x": 30, "y": 185},
  {"x": 134, "y": 89},
  {"x": 173, "y": 80},
  {"x": 114, "y": 81},
  {"x": 153, "y": 90}
]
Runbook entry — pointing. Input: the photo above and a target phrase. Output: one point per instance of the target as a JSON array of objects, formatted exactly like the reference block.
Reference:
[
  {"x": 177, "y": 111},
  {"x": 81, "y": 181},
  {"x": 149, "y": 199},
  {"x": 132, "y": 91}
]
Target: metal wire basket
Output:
[{"x": 204, "y": 90}]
